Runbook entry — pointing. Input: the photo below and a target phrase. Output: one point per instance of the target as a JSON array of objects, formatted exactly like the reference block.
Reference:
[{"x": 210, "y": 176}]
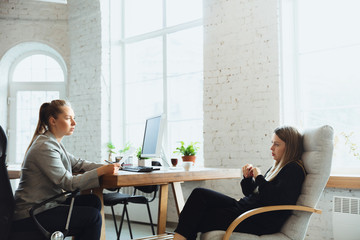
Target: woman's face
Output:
[
  {"x": 277, "y": 148},
  {"x": 64, "y": 124}
]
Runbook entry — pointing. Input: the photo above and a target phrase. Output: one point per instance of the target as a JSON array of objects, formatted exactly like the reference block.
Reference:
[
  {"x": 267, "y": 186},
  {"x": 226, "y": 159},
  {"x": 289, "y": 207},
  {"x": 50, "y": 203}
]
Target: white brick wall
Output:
[
  {"x": 241, "y": 82},
  {"x": 20, "y": 22},
  {"x": 87, "y": 91}
]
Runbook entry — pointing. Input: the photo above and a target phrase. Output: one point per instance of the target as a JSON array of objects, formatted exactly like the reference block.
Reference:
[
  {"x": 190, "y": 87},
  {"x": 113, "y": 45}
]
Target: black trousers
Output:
[
  {"x": 85, "y": 222},
  {"x": 207, "y": 210}
]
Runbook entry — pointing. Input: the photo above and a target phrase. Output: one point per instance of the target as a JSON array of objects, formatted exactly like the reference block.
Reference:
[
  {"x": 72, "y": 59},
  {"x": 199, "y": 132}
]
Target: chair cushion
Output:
[
  {"x": 137, "y": 199},
  {"x": 317, "y": 156},
  {"x": 111, "y": 199},
  {"x": 218, "y": 235}
]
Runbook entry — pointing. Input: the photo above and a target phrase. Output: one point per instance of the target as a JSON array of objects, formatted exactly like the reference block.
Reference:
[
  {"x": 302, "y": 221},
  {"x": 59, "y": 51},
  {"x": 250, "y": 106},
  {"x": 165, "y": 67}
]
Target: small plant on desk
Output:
[
  {"x": 123, "y": 151},
  {"x": 188, "y": 152},
  {"x": 138, "y": 153},
  {"x": 110, "y": 150}
]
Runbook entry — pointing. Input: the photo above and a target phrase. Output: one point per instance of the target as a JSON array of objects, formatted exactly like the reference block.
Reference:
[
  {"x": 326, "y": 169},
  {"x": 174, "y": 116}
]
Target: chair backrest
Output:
[
  {"x": 6, "y": 196},
  {"x": 317, "y": 157}
]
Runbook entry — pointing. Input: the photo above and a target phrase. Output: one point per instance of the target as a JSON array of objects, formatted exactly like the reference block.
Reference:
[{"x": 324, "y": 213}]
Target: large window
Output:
[
  {"x": 161, "y": 46},
  {"x": 35, "y": 78},
  {"x": 321, "y": 74}
]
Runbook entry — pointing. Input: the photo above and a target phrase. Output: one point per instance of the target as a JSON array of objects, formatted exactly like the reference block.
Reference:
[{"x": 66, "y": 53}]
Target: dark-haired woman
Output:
[
  {"x": 48, "y": 170},
  {"x": 207, "y": 210}
]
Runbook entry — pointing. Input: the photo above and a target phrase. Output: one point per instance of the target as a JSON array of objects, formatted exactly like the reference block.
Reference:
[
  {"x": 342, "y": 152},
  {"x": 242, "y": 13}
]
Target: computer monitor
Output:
[{"x": 153, "y": 135}]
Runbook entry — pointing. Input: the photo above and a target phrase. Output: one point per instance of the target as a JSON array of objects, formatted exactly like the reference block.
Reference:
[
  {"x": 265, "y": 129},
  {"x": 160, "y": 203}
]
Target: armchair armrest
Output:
[{"x": 255, "y": 211}]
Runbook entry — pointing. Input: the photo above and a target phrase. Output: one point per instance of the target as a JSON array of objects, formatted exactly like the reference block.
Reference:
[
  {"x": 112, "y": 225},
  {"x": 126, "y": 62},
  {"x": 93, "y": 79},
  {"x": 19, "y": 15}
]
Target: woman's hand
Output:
[
  {"x": 247, "y": 170},
  {"x": 255, "y": 172},
  {"x": 108, "y": 169}
]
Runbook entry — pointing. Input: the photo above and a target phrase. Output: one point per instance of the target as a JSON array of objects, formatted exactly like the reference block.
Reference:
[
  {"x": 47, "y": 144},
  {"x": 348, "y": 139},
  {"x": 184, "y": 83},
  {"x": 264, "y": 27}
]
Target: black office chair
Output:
[
  {"x": 112, "y": 199},
  {"x": 7, "y": 205}
]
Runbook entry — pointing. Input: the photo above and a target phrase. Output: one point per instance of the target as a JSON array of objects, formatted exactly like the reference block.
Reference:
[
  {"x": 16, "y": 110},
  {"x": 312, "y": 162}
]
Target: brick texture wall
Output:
[
  {"x": 87, "y": 91},
  {"x": 241, "y": 82}
]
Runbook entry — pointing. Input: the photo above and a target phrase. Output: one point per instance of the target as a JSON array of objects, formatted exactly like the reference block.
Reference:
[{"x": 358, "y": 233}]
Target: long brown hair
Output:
[
  {"x": 293, "y": 149},
  {"x": 47, "y": 110}
]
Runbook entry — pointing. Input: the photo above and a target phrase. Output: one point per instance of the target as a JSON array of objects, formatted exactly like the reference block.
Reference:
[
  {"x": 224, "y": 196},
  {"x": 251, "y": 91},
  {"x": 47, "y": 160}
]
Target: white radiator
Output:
[
  {"x": 137, "y": 212},
  {"x": 346, "y": 218}
]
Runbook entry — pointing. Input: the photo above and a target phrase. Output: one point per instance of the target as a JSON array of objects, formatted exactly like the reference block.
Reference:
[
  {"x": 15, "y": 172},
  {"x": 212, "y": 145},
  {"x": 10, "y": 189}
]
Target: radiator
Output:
[
  {"x": 346, "y": 218},
  {"x": 137, "y": 212}
]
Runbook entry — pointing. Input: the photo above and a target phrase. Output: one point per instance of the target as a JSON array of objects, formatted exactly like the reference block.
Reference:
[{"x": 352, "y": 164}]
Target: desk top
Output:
[
  {"x": 124, "y": 178},
  {"x": 14, "y": 171}
]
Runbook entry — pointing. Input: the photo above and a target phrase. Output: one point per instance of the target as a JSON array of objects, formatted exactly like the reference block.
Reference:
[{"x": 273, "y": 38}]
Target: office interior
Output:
[{"x": 242, "y": 85}]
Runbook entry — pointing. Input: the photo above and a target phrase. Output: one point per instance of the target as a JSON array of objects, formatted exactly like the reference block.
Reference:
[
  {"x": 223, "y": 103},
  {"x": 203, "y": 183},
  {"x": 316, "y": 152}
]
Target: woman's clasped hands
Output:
[{"x": 250, "y": 171}]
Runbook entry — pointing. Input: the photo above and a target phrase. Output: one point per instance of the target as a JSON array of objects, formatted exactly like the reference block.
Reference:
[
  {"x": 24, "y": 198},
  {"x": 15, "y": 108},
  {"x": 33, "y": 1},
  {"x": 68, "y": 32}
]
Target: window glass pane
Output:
[
  {"x": 145, "y": 70},
  {"x": 143, "y": 61},
  {"x": 181, "y": 11},
  {"x": 325, "y": 78},
  {"x": 27, "y": 110},
  {"x": 185, "y": 52},
  {"x": 142, "y": 16},
  {"x": 38, "y": 68},
  {"x": 185, "y": 77},
  {"x": 185, "y": 97},
  {"x": 144, "y": 79},
  {"x": 328, "y": 75},
  {"x": 187, "y": 131},
  {"x": 144, "y": 99},
  {"x": 135, "y": 134},
  {"x": 327, "y": 23}
]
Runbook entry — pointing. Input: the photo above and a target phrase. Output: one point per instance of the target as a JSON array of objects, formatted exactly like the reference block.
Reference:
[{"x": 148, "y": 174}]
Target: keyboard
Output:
[{"x": 139, "y": 169}]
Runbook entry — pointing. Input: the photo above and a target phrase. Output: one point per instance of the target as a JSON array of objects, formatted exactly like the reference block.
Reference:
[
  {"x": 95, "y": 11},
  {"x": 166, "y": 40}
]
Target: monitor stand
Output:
[{"x": 164, "y": 159}]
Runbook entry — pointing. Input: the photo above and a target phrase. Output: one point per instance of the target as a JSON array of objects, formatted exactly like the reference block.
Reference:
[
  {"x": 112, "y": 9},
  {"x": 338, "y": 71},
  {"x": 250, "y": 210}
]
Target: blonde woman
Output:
[
  {"x": 207, "y": 210},
  {"x": 48, "y": 170}
]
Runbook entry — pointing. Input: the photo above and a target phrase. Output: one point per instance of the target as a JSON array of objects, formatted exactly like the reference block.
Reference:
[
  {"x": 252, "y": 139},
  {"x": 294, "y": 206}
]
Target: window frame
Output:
[
  {"x": 120, "y": 116},
  {"x": 14, "y": 87},
  {"x": 290, "y": 89}
]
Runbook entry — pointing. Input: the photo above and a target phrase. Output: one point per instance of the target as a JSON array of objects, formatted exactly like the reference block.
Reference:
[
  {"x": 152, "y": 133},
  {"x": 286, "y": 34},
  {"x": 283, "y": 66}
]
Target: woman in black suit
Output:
[{"x": 207, "y": 210}]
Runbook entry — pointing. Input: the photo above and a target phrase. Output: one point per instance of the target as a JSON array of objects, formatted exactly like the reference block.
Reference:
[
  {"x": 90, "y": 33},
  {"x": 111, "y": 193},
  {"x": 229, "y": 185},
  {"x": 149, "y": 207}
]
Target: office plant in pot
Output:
[
  {"x": 122, "y": 152},
  {"x": 188, "y": 152},
  {"x": 110, "y": 150}
]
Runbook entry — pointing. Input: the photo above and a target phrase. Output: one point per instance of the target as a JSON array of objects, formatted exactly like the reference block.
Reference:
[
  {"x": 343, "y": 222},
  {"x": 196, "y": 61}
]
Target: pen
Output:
[{"x": 108, "y": 162}]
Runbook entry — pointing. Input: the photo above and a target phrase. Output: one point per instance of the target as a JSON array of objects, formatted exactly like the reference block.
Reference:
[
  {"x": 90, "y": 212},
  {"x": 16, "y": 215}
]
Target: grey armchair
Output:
[{"x": 317, "y": 157}]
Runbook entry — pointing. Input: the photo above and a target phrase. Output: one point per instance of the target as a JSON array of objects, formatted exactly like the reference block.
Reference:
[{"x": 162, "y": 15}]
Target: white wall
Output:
[
  {"x": 241, "y": 82},
  {"x": 85, "y": 81},
  {"x": 30, "y": 21}
]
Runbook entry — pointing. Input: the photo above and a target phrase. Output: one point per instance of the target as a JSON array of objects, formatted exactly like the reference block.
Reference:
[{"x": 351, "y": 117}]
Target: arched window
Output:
[{"x": 34, "y": 77}]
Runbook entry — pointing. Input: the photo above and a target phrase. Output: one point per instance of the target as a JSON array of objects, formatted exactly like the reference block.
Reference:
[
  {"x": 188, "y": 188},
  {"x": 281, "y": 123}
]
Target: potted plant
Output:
[
  {"x": 110, "y": 150},
  {"x": 123, "y": 151},
  {"x": 188, "y": 152},
  {"x": 138, "y": 153}
]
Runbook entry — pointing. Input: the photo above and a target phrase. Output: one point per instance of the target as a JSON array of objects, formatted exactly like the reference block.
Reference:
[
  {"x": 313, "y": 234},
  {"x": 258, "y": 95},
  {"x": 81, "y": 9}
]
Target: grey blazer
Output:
[{"x": 48, "y": 170}]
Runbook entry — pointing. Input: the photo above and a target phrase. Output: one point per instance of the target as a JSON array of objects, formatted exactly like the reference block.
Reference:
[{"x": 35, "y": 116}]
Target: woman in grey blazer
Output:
[{"x": 48, "y": 170}]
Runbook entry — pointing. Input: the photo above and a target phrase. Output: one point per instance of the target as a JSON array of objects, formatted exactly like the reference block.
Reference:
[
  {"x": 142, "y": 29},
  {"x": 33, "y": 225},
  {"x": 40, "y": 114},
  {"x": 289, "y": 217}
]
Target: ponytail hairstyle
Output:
[
  {"x": 47, "y": 110},
  {"x": 293, "y": 149}
]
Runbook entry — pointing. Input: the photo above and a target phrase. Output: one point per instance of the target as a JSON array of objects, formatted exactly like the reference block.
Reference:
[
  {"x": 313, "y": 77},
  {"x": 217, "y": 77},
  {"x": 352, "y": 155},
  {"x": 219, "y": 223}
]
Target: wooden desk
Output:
[
  {"x": 164, "y": 178},
  {"x": 14, "y": 171}
]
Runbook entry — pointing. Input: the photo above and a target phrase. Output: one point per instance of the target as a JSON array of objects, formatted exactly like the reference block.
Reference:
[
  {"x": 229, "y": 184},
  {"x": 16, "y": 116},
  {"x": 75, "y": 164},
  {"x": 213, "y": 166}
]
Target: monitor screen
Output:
[{"x": 152, "y": 137}]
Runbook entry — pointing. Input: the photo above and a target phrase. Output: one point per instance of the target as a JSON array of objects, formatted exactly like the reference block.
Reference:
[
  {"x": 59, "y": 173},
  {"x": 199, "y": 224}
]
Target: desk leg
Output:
[
  {"x": 163, "y": 201},
  {"x": 178, "y": 195},
  {"x": 99, "y": 192}
]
